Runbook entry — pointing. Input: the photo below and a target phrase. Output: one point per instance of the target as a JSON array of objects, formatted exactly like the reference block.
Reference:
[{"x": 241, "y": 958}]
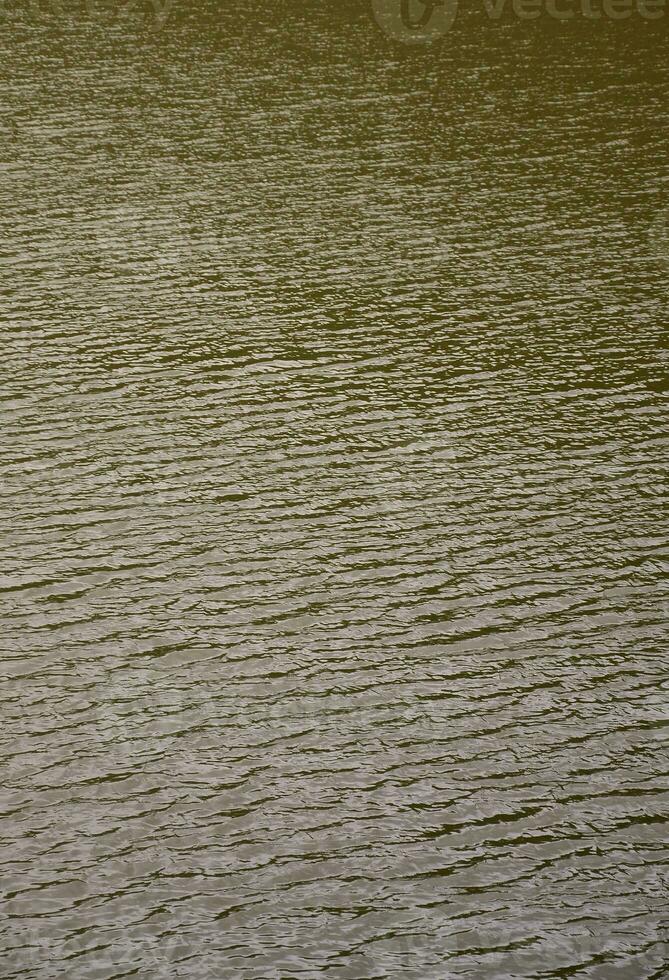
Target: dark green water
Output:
[{"x": 333, "y": 458}]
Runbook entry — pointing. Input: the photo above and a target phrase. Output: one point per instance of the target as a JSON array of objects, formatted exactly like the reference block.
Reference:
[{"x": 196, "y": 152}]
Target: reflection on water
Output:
[{"x": 333, "y": 468}]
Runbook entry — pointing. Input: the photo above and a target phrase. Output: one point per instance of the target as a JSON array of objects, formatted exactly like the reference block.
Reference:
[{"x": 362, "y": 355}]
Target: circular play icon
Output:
[{"x": 415, "y": 21}]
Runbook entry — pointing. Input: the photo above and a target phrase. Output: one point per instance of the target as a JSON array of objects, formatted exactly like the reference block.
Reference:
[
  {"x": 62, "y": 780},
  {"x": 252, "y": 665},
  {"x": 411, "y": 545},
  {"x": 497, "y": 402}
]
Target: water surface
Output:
[{"x": 333, "y": 493}]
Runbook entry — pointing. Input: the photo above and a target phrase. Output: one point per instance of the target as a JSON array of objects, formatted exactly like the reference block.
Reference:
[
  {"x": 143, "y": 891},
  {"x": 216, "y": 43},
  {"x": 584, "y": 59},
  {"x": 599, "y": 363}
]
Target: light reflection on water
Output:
[{"x": 334, "y": 455}]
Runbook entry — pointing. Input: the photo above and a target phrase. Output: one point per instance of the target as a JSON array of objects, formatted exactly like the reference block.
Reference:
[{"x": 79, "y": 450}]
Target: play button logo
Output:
[{"x": 415, "y": 21}]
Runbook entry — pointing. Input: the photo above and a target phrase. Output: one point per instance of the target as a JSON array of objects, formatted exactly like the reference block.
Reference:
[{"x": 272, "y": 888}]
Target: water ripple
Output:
[{"x": 332, "y": 481}]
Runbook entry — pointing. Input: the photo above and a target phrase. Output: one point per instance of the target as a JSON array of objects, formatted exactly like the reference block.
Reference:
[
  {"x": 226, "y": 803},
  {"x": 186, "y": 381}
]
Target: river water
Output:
[{"x": 333, "y": 491}]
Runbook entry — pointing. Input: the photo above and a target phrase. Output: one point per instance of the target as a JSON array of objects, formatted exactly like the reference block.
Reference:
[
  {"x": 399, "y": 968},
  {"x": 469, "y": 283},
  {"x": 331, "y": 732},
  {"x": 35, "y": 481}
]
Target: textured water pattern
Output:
[{"x": 333, "y": 500}]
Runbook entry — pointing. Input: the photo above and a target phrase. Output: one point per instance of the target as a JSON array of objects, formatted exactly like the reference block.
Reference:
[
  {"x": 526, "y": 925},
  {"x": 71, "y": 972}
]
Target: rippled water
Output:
[{"x": 333, "y": 493}]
